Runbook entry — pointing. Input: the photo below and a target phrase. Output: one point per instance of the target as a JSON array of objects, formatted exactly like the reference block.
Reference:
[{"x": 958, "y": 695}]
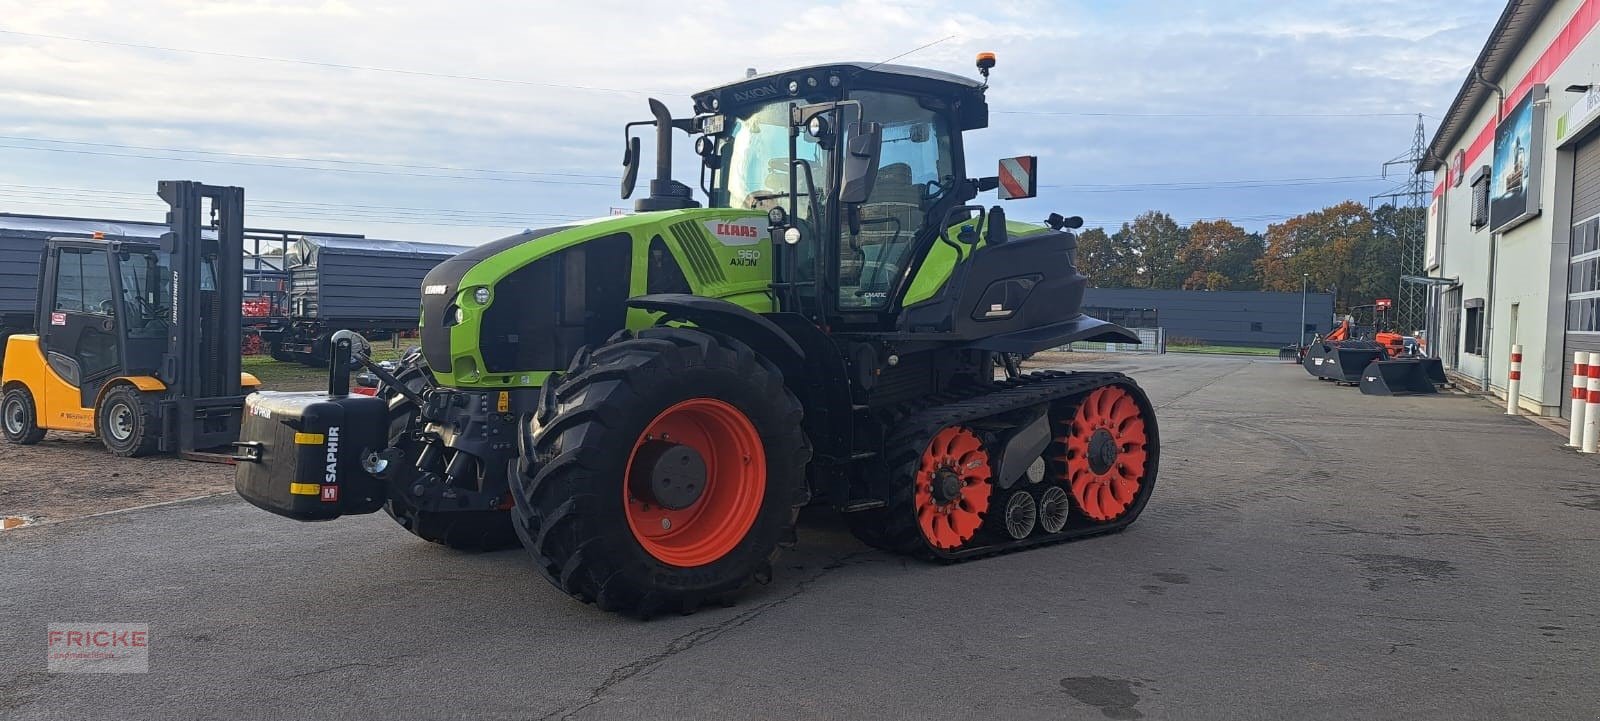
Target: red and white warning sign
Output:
[
  {"x": 1017, "y": 179},
  {"x": 58, "y": 319}
]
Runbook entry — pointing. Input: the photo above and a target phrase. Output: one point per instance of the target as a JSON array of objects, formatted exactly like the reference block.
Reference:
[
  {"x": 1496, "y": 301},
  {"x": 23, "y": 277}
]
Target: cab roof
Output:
[{"x": 814, "y": 82}]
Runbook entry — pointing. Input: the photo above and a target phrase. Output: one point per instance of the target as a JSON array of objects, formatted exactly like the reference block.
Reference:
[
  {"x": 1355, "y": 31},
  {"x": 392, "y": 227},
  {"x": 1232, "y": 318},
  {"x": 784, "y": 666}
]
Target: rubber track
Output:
[{"x": 910, "y": 439}]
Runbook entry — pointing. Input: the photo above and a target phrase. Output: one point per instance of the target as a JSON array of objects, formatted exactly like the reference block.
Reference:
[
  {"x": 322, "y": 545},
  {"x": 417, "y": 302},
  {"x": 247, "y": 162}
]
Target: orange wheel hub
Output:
[
  {"x": 694, "y": 482},
  {"x": 953, "y": 489},
  {"x": 1105, "y": 453}
]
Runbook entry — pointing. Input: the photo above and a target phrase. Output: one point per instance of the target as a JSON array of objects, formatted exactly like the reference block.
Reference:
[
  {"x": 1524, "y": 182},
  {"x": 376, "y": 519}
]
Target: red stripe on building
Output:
[{"x": 1584, "y": 20}]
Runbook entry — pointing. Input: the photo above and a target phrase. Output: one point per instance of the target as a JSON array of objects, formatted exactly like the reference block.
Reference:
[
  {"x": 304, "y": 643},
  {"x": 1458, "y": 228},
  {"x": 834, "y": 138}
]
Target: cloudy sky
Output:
[{"x": 461, "y": 122}]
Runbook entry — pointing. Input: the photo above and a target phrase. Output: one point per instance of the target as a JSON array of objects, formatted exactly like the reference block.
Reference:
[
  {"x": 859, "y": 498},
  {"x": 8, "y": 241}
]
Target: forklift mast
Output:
[{"x": 201, "y": 363}]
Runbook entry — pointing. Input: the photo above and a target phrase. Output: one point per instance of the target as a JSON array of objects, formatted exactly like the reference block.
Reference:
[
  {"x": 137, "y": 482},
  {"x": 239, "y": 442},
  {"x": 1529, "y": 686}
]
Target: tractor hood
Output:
[{"x": 510, "y": 311}]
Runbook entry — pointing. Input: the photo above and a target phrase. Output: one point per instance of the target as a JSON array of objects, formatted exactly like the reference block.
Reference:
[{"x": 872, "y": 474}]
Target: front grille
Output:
[{"x": 692, "y": 238}]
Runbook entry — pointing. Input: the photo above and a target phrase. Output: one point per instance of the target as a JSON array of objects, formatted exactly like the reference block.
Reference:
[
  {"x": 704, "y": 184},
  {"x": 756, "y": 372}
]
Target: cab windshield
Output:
[
  {"x": 146, "y": 292},
  {"x": 756, "y": 163},
  {"x": 915, "y": 172}
]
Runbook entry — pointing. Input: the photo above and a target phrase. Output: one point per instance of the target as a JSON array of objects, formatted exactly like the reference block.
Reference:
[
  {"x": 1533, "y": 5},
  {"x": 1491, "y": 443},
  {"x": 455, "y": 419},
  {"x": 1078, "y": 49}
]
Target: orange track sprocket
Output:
[
  {"x": 1105, "y": 453},
  {"x": 952, "y": 488}
]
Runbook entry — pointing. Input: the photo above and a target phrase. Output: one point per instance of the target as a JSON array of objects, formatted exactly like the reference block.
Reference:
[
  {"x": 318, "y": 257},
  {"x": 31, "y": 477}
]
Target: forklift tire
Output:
[
  {"x": 125, "y": 424},
  {"x": 655, "y": 539},
  {"x": 19, "y": 418}
]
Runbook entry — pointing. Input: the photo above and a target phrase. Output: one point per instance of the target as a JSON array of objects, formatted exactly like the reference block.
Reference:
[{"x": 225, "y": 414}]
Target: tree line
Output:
[{"x": 1346, "y": 249}]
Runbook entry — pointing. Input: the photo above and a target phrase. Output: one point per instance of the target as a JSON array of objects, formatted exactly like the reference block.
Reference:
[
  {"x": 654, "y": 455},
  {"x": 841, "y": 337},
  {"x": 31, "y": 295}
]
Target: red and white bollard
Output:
[
  {"x": 1514, "y": 385},
  {"x": 1580, "y": 397},
  {"x": 1591, "y": 418}
]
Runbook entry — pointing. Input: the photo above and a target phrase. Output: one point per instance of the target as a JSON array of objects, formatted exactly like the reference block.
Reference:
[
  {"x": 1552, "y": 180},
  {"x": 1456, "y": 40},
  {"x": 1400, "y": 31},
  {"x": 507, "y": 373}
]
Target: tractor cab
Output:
[
  {"x": 862, "y": 162},
  {"x": 861, "y": 173}
]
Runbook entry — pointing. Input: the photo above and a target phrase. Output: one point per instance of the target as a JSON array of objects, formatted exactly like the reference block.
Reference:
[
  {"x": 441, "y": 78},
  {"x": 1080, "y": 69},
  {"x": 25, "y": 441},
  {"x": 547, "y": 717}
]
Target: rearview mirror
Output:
[
  {"x": 630, "y": 167},
  {"x": 861, "y": 162}
]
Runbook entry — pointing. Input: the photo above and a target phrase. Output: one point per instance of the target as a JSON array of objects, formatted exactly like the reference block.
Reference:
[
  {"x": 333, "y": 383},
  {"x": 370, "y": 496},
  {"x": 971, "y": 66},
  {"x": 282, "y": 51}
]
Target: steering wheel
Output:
[{"x": 108, "y": 307}]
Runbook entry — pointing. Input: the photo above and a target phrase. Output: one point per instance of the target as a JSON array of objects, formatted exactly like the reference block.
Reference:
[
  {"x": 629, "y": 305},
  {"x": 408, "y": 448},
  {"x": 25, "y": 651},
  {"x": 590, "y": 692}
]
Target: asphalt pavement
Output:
[{"x": 1310, "y": 553}]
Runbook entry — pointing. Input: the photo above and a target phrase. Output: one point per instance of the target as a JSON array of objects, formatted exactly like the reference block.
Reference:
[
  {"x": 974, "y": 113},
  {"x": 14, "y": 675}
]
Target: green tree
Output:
[
  {"x": 1323, "y": 245},
  {"x": 1219, "y": 255},
  {"x": 1155, "y": 239},
  {"x": 1106, "y": 259}
]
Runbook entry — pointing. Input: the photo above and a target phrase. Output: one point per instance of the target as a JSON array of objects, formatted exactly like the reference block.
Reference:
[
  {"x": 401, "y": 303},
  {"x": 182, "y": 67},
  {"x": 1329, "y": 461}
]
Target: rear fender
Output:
[{"x": 1055, "y": 335}]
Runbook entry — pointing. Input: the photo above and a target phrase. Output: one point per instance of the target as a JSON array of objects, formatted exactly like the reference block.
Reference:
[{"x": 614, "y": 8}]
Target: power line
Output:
[
  {"x": 303, "y": 159},
  {"x": 78, "y": 198},
  {"x": 1090, "y": 114},
  {"x": 629, "y": 91},
  {"x": 1217, "y": 185},
  {"x": 486, "y": 178},
  {"x": 339, "y": 66}
]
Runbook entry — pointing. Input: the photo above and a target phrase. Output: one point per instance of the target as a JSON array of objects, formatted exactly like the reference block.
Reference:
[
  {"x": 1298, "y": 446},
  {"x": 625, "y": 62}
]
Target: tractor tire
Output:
[
  {"x": 469, "y": 531},
  {"x": 603, "y": 502},
  {"x": 125, "y": 423},
  {"x": 19, "y": 417}
]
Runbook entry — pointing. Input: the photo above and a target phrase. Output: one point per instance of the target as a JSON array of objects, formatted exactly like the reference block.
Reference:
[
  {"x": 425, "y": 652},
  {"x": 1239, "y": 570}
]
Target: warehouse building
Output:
[
  {"x": 1214, "y": 317},
  {"x": 1514, "y": 224}
]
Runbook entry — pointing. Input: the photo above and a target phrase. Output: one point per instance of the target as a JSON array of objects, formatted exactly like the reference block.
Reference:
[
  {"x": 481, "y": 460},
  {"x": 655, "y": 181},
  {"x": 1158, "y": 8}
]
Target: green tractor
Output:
[{"x": 647, "y": 401}]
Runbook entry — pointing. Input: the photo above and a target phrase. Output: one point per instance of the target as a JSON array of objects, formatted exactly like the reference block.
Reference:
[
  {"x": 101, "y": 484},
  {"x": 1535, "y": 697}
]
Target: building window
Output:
[
  {"x": 1310, "y": 328},
  {"x": 1583, "y": 315},
  {"x": 1255, "y": 327},
  {"x": 1474, "y": 344},
  {"x": 1480, "y": 198}
]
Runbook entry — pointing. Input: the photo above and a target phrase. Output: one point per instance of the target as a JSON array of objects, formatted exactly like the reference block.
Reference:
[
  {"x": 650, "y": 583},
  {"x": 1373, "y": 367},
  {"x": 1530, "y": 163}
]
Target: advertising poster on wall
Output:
[{"x": 1518, "y": 161}]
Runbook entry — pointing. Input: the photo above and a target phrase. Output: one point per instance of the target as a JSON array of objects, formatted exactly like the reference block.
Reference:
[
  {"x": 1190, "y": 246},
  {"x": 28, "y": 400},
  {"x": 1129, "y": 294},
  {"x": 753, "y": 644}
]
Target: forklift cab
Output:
[{"x": 105, "y": 307}]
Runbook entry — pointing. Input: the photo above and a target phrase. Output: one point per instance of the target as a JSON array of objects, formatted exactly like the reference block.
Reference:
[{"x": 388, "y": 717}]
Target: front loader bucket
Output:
[
  {"x": 1433, "y": 368},
  {"x": 1402, "y": 377},
  {"x": 1341, "y": 362}
]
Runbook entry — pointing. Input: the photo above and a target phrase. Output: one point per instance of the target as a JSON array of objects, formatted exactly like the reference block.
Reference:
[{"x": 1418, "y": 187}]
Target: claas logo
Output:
[{"x": 740, "y": 231}]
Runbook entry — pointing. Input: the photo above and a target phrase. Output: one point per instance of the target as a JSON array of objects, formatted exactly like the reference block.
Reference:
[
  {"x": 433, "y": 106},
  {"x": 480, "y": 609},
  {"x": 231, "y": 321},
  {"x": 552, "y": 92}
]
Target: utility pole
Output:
[
  {"x": 1304, "y": 279},
  {"x": 1411, "y": 230}
]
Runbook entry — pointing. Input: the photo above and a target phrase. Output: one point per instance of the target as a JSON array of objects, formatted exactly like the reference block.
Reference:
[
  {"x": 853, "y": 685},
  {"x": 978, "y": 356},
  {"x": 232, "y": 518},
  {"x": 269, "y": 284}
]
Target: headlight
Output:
[
  {"x": 459, "y": 317},
  {"x": 481, "y": 296}
]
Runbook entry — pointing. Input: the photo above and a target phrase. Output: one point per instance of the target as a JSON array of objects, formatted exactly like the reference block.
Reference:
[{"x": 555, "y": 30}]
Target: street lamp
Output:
[{"x": 1304, "y": 279}]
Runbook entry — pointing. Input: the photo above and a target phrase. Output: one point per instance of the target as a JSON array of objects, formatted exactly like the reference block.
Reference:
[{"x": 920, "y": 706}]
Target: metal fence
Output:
[{"x": 1151, "y": 340}]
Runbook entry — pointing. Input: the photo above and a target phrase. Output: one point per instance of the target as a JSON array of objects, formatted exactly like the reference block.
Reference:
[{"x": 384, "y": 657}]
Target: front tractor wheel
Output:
[{"x": 665, "y": 474}]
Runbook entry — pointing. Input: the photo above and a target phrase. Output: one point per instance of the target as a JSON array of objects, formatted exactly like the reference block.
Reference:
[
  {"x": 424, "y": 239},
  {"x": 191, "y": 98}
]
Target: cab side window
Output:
[{"x": 83, "y": 284}]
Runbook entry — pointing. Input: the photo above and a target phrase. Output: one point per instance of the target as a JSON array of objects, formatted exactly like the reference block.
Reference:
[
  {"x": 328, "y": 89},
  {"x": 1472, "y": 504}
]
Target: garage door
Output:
[{"x": 1583, "y": 278}]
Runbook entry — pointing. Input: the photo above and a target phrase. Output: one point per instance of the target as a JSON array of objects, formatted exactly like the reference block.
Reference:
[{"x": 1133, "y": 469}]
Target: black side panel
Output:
[
  {"x": 438, "y": 310},
  {"x": 546, "y": 310},
  {"x": 1055, "y": 335},
  {"x": 665, "y": 275},
  {"x": 1017, "y": 287}
]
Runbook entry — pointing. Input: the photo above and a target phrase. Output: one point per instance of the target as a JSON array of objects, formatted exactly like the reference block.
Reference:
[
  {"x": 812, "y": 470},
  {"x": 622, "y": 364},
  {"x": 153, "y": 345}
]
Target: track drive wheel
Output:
[
  {"x": 1104, "y": 456},
  {"x": 472, "y": 531},
  {"x": 19, "y": 417},
  {"x": 125, "y": 424},
  {"x": 941, "y": 497},
  {"x": 664, "y": 471}
]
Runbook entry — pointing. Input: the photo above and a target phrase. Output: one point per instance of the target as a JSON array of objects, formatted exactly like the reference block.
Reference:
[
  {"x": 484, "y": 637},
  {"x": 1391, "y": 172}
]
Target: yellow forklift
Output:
[{"x": 138, "y": 341}]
